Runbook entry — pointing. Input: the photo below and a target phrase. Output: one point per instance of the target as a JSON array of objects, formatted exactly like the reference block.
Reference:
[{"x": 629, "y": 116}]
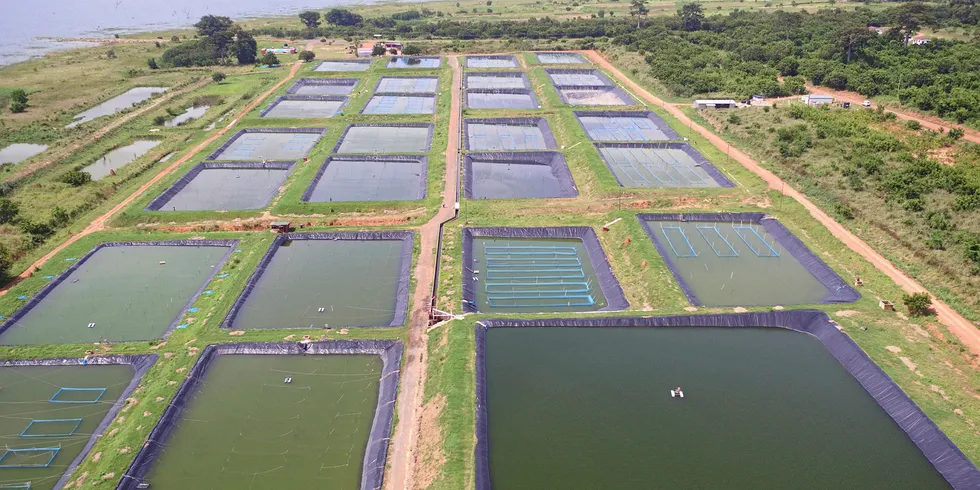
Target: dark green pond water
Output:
[
  {"x": 519, "y": 275},
  {"x": 245, "y": 428},
  {"x": 124, "y": 291},
  {"x": 354, "y": 281},
  {"x": 589, "y": 408},
  {"x": 24, "y": 396}
]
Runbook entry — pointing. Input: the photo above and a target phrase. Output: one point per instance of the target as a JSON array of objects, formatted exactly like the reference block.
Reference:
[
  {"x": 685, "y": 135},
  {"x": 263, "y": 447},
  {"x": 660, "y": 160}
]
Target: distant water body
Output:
[{"x": 22, "y": 24}]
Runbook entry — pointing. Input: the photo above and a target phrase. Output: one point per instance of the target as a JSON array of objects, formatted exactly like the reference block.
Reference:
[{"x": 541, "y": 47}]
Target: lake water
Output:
[{"x": 22, "y": 23}]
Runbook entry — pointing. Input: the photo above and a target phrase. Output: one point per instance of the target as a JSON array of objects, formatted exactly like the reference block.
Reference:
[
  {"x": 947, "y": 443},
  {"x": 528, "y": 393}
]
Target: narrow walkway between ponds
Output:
[
  {"x": 99, "y": 223},
  {"x": 956, "y": 323},
  {"x": 402, "y": 454}
]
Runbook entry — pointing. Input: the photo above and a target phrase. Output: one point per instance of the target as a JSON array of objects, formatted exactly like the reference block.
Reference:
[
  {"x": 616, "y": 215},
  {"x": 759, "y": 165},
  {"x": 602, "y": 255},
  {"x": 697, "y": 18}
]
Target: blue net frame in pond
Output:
[
  {"x": 422, "y": 160},
  {"x": 554, "y": 160},
  {"x": 140, "y": 363},
  {"x": 572, "y": 54},
  {"x": 160, "y": 201},
  {"x": 376, "y": 452},
  {"x": 24, "y": 433},
  {"x": 311, "y": 98},
  {"x": 17, "y": 486},
  {"x": 698, "y": 158},
  {"x": 428, "y": 141},
  {"x": 12, "y": 320},
  {"x": 627, "y": 99},
  {"x": 955, "y": 467},
  {"x": 494, "y": 74},
  {"x": 506, "y": 57},
  {"x": 307, "y": 82},
  {"x": 224, "y": 146},
  {"x": 578, "y": 71},
  {"x": 657, "y": 121},
  {"x": 504, "y": 91},
  {"x": 100, "y": 391},
  {"x": 839, "y": 290},
  {"x": 538, "y": 122},
  {"x": 53, "y": 450},
  {"x": 343, "y": 60},
  {"x": 615, "y": 298},
  {"x": 404, "y": 277}
]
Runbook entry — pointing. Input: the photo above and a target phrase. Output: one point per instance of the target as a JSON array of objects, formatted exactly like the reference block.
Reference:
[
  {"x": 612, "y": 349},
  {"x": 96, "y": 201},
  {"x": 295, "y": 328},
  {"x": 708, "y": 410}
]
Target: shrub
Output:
[
  {"x": 8, "y": 211},
  {"x": 307, "y": 56},
  {"x": 217, "y": 76},
  {"x": 174, "y": 39},
  {"x": 918, "y": 304},
  {"x": 378, "y": 50},
  {"x": 412, "y": 50},
  {"x": 393, "y": 51},
  {"x": 734, "y": 119},
  {"x": 269, "y": 59},
  {"x": 913, "y": 125},
  {"x": 159, "y": 120},
  {"x": 152, "y": 63},
  {"x": 18, "y": 107},
  {"x": 76, "y": 178},
  {"x": 955, "y": 134}
]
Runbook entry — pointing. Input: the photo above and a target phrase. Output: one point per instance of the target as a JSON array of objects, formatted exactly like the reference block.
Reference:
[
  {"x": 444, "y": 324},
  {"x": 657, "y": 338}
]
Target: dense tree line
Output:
[{"x": 219, "y": 41}]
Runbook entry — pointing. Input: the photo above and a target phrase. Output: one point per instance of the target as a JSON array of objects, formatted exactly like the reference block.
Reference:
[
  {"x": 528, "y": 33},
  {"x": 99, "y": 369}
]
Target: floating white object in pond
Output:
[
  {"x": 288, "y": 380},
  {"x": 91, "y": 325},
  {"x": 321, "y": 310},
  {"x": 676, "y": 393}
]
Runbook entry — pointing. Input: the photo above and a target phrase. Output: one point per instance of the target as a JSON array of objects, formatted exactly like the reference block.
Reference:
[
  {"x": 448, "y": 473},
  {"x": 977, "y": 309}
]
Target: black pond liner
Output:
[
  {"x": 840, "y": 291},
  {"x": 555, "y": 160},
  {"x": 372, "y": 473},
  {"x": 160, "y": 201},
  {"x": 495, "y": 74},
  {"x": 618, "y": 92},
  {"x": 577, "y": 71},
  {"x": 510, "y": 58},
  {"x": 398, "y": 94},
  {"x": 343, "y": 135},
  {"x": 534, "y": 104},
  {"x": 141, "y": 364},
  {"x": 341, "y": 60},
  {"x": 958, "y": 470},
  {"x": 404, "y": 278},
  {"x": 653, "y": 117},
  {"x": 393, "y": 62},
  {"x": 408, "y": 77},
  {"x": 300, "y": 98},
  {"x": 305, "y": 82},
  {"x": 213, "y": 156},
  {"x": 705, "y": 165},
  {"x": 615, "y": 299},
  {"x": 538, "y": 122},
  {"x": 581, "y": 58},
  {"x": 46, "y": 290},
  {"x": 423, "y": 178}
]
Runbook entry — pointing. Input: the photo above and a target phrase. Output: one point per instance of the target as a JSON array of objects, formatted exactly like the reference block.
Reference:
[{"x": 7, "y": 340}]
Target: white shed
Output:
[
  {"x": 815, "y": 100},
  {"x": 714, "y": 104}
]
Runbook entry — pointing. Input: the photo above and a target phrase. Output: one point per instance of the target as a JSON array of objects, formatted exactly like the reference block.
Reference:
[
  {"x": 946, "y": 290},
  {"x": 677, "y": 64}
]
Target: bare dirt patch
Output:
[
  {"x": 893, "y": 349},
  {"x": 846, "y": 313},
  {"x": 429, "y": 458}
]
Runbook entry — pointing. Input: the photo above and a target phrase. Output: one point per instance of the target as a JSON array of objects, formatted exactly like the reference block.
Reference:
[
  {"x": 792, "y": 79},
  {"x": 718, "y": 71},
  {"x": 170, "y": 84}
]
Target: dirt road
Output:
[
  {"x": 956, "y": 323},
  {"x": 99, "y": 223},
  {"x": 929, "y": 122}
]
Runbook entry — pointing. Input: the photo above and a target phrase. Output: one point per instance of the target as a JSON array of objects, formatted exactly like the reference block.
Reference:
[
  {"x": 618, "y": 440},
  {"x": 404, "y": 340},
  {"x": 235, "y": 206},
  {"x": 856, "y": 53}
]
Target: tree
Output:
[
  {"x": 638, "y": 9},
  {"x": 908, "y": 25},
  {"x": 269, "y": 59},
  {"x": 209, "y": 25},
  {"x": 5, "y": 262},
  {"x": 310, "y": 18},
  {"x": 307, "y": 56},
  {"x": 412, "y": 50},
  {"x": 343, "y": 17},
  {"x": 393, "y": 51},
  {"x": 692, "y": 16},
  {"x": 378, "y": 50},
  {"x": 245, "y": 48},
  {"x": 174, "y": 39},
  {"x": 8, "y": 211},
  {"x": 918, "y": 304},
  {"x": 152, "y": 63},
  {"x": 853, "y": 38},
  {"x": 217, "y": 77}
]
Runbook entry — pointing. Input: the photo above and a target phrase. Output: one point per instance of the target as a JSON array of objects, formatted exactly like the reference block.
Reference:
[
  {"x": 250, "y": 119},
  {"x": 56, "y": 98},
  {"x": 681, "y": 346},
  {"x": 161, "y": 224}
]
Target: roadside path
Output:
[
  {"x": 412, "y": 377},
  {"x": 99, "y": 223},
  {"x": 956, "y": 323}
]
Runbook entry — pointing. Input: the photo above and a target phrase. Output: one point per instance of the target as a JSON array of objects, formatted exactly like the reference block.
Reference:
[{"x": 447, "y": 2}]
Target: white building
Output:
[
  {"x": 714, "y": 104},
  {"x": 815, "y": 100}
]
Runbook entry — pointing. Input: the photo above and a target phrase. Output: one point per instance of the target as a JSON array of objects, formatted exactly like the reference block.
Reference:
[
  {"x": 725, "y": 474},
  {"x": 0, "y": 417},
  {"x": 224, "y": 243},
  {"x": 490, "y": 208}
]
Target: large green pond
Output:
[
  {"x": 518, "y": 275},
  {"x": 246, "y": 428},
  {"x": 355, "y": 282},
  {"x": 124, "y": 291},
  {"x": 587, "y": 408},
  {"x": 25, "y": 394}
]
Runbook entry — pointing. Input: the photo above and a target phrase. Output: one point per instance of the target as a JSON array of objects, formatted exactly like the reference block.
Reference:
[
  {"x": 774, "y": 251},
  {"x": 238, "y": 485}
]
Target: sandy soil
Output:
[
  {"x": 402, "y": 456},
  {"x": 956, "y": 323},
  {"x": 99, "y": 223}
]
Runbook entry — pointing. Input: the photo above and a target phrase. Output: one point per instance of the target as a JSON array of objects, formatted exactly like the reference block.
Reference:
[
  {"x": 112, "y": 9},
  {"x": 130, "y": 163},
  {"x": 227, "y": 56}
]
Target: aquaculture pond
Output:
[
  {"x": 326, "y": 282},
  {"x": 116, "y": 104},
  {"x": 44, "y": 427},
  {"x": 308, "y": 432},
  {"x": 120, "y": 293},
  {"x": 218, "y": 186},
  {"x": 585, "y": 408}
]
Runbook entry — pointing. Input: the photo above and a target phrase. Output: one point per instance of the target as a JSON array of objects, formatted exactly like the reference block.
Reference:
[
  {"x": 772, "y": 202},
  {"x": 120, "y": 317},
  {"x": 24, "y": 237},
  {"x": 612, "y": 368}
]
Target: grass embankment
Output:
[{"x": 925, "y": 360}]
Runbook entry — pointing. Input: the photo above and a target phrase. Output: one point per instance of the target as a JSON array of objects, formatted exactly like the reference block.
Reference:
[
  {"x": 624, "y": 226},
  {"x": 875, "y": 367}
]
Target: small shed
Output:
[
  {"x": 815, "y": 100},
  {"x": 715, "y": 104},
  {"x": 280, "y": 226}
]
